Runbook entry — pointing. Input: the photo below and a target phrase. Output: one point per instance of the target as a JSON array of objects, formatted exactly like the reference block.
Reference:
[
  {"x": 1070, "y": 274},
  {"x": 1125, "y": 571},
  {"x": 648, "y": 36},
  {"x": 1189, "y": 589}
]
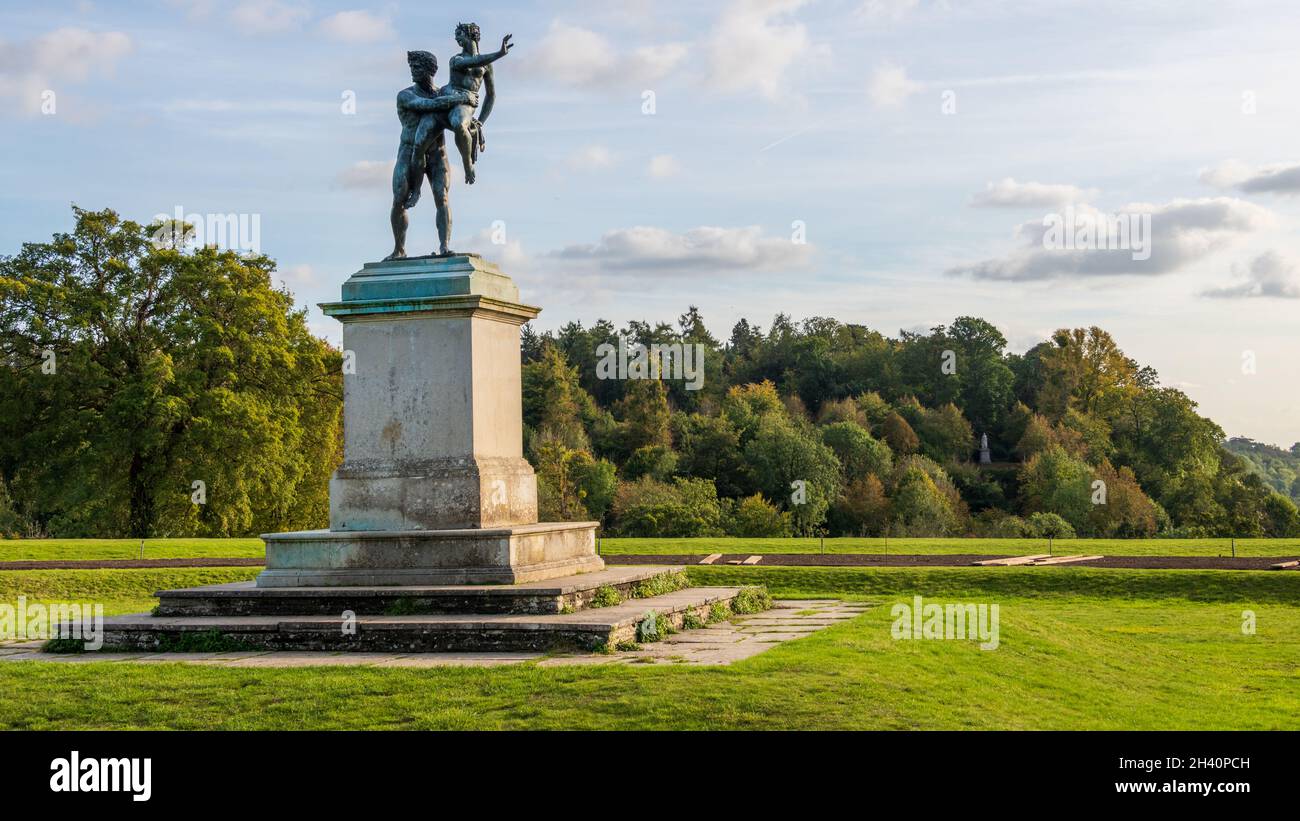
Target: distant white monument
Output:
[{"x": 985, "y": 457}]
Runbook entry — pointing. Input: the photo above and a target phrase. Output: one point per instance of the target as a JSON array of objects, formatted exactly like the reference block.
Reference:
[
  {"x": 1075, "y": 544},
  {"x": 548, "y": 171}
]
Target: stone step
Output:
[
  {"x": 562, "y": 595},
  {"x": 593, "y": 628}
]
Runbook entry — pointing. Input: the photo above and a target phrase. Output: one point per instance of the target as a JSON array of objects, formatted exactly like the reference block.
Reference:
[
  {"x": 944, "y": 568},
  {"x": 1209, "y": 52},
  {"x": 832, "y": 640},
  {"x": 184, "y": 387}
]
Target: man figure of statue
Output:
[{"x": 421, "y": 101}]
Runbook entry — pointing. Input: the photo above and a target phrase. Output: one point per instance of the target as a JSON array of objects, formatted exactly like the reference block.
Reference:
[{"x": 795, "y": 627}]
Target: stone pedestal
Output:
[{"x": 433, "y": 488}]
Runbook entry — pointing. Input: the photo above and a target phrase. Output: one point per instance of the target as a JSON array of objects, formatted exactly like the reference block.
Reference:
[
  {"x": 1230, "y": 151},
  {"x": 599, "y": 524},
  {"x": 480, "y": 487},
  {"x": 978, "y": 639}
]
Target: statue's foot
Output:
[
  {"x": 398, "y": 253},
  {"x": 444, "y": 251},
  {"x": 469, "y": 176}
]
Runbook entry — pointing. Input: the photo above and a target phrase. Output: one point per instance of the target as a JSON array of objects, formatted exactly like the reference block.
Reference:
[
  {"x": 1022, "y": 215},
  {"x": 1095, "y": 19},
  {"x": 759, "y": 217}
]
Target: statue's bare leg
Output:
[
  {"x": 460, "y": 119},
  {"x": 439, "y": 179},
  {"x": 397, "y": 216},
  {"x": 425, "y": 134}
]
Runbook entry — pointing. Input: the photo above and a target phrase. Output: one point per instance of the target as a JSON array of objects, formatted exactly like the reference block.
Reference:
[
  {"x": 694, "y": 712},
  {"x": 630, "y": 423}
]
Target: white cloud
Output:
[
  {"x": 268, "y": 16},
  {"x": 1270, "y": 275},
  {"x": 1007, "y": 193},
  {"x": 66, "y": 55},
  {"x": 890, "y": 86},
  {"x": 1183, "y": 231},
  {"x": 195, "y": 9},
  {"x": 301, "y": 274},
  {"x": 357, "y": 27},
  {"x": 1279, "y": 178},
  {"x": 591, "y": 158},
  {"x": 754, "y": 44},
  {"x": 367, "y": 174},
  {"x": 645, "y": 248},
  {"x": 890, "y": 10},
  {"x": 510, "y": 255},
  {"x": 580, "y": 57},
  {"x": 663, "y": 166}
]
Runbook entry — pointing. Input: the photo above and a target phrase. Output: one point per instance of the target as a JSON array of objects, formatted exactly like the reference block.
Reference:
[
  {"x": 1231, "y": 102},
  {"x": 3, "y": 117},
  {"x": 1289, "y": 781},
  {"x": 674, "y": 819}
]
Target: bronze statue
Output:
[{"x": 425, "y": 112}]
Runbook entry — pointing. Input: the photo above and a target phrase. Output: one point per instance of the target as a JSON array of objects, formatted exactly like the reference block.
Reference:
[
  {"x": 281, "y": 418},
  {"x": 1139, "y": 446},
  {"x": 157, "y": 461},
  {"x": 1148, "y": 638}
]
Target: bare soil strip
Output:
[
  {"x": 779, "y": 559},
  {"x": 965, "y": 560}
]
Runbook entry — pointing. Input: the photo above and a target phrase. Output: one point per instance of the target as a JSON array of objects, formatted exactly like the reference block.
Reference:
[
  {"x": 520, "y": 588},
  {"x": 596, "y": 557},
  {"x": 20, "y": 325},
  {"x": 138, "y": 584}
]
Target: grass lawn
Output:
[
  {"x": 38, "y": 549},
  {"x": 1080, "y": 648},
  {"x": 41, "y": 549},
  {"x": 1013, "y": 547},
  {"x": 120, "y": 591}
]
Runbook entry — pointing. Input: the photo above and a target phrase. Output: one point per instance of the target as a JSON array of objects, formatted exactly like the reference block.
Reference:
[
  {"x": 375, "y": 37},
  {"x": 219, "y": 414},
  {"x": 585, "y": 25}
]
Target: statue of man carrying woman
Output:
[{"x": 426, "y": 113}]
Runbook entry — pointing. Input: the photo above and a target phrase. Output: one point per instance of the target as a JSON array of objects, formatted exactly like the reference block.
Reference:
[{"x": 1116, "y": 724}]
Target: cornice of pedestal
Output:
[{"x": 453, "y": 286}]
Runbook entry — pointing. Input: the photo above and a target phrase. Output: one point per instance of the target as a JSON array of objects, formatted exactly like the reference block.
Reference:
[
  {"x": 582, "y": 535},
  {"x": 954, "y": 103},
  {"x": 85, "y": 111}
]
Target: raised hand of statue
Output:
[{"x": 506, "y": 45}]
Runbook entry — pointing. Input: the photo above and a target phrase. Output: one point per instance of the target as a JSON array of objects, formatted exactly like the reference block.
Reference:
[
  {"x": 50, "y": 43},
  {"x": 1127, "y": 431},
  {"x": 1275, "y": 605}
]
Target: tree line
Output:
[
  {"x": 822, "y": 426},
  {"x": 152, "y": 391}
]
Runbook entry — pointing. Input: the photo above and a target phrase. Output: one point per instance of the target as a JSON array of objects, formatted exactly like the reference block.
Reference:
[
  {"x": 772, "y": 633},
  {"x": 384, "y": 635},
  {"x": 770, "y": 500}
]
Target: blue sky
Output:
[{"x": 917, "y": 143}]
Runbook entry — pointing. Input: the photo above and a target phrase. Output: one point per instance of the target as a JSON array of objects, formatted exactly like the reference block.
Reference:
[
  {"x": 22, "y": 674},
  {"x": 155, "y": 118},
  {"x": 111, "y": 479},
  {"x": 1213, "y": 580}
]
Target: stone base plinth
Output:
[{"x": 507, "y": 555}]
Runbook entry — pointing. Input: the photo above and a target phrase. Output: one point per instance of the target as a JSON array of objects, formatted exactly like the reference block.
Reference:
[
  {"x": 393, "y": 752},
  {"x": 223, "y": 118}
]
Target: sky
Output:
[{"x": 891, "y": 163}]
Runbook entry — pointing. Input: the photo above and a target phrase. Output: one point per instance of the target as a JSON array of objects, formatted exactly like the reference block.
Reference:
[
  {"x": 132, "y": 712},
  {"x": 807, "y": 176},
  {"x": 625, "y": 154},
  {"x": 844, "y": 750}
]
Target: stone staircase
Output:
[{"x": 556, "y": 614}]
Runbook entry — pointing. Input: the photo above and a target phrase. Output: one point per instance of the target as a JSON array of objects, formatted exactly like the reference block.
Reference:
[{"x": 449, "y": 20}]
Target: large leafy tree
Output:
[{"x": 156, "y": 391}]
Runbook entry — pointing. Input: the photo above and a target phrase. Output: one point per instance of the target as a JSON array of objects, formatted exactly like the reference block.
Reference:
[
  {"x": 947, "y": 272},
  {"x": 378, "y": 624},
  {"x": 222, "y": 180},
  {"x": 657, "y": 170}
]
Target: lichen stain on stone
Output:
[{"x": 391, "y": 433}]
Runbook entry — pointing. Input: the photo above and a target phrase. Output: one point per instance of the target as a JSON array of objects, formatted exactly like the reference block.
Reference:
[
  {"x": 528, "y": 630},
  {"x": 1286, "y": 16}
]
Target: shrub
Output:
[
  {"x": 755, "y": 517},
  {"x": 687, "y": 507},
  {"x": 751, "y": 600},
  {"x": 1044, "y": 525},
  {"x": 605, "y": 596},
  {"x": 661, "y": 584},
  {"x": 654, "y": 627},
  {"x": 994, "y": 524}
]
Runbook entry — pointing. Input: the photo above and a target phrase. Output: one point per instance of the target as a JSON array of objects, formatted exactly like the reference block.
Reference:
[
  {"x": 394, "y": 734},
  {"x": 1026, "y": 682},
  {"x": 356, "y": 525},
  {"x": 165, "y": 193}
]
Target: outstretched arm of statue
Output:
[
  {"x": 445, "y": 100},
  {"x": 476, "y": 60}
]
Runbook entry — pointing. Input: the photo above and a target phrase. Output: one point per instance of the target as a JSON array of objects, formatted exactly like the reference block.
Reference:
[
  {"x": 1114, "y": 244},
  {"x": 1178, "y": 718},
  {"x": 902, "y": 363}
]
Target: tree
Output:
[
  {"x": 781, "y": 454},
  {"x": 874, "y": 410},
  {"x": 841, "y": 410},
  {"x": 747, "y": 405},
  {"x": 1125, "y": 511},
  {"x": 644, "y": 416},
  {"x": 1037, "y": 437},
  {"x": 899, "y": 435},
  {"x": 158, "y": 391},
  {"x": 1055, "y": 482},
  {"x": 862, "y": 509},
  {"x": 554, "y": 403},
  {"x": 944, "y": 433},
  {"x": 710, "y": 449},
  {"x": 597, "y": 483},
  {"x": 858, "y": 452},
  {"x": 656, "y": 461},
  {"x": 987, "y": 382},
  {"x": 571, "y": 484},
  {"x": 919, "y": 507}
]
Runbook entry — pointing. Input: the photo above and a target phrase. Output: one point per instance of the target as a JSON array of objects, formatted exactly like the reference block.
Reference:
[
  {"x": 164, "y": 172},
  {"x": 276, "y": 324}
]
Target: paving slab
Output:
[
  {"x": 459, "y": 660},
  {"x": 721, "y": 643},
  {"x": 425, "y": 632}
]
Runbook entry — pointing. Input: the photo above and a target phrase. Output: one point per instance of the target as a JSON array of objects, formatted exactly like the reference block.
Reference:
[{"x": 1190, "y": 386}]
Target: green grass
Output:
[
  {"x": 42, "y": 549},
  {"x": 1118, "y": 586},
  {"x": 1015, "y": 547},
  {"x": 1080, "y": 648},
  {"x": 38, "y": 549},
  {"x": 120, "y": 591}
]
